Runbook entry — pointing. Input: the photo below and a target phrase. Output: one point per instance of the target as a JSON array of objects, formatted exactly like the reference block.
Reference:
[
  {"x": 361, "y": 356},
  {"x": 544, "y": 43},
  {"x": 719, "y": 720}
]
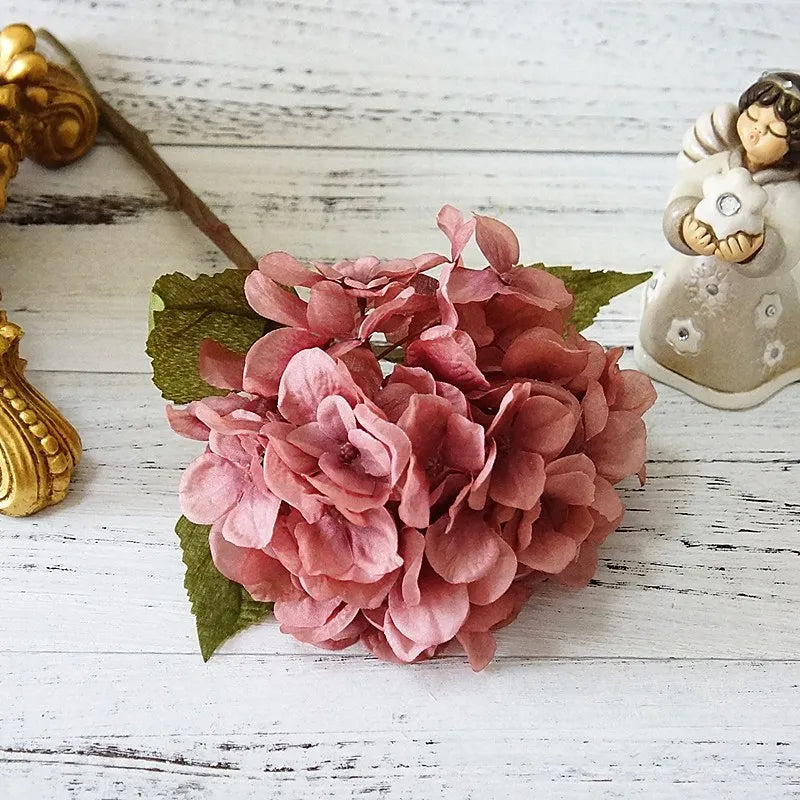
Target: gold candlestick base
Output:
[
  {"x": 38, "y": 447},
  {"x": 45, "y": 113}
]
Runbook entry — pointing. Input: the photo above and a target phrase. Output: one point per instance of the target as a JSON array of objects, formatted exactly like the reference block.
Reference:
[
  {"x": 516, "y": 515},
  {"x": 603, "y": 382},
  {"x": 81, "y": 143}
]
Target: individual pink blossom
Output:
[
  {"x": 335, "y": 447},
  {"x": 225, "y": 486}
]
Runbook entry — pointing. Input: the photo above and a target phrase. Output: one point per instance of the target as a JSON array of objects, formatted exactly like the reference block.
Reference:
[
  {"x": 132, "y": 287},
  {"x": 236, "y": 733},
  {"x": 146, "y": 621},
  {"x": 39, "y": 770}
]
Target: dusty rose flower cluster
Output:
[{"x": 407, "y": 511}]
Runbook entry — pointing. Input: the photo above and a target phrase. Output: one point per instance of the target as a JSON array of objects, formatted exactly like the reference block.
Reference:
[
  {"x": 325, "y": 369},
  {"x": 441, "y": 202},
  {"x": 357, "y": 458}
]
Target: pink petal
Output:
[
  {"x": 350, "y": 552},
  {"x": 404, "y": 649},
  {"x": 544, "y": 355},
  {"x": 336, "y": 418},
  {"x": 518, "y": 479},
  {"x": 310, "y": 376},
  {"x": 419, "y": 379},
  {"x": 497, "y": 242},
  {"x": 549, "y": 551},
  {"x": 635, "y": 391},
  {"x": 571, "y": 480},
  {"x": 184, "y": 422},
  {"x": 439, "y": 350},
  {"x": 382, "y": 317},
  {"x": 496, "y": 581},
  {"x": 479, "y": 646},
  {"x": 289, "y": 486},
  {"x": 331, "y": 311},
  {"x": 594, "y": 409},
  {"x": 425, "y": 423},
  {"x": 348, "y": 478},
  {"x": 473, "y": 285},
  {"x": 464, "y": 553},
  {"x": 479, "y": 491},
  {"x": 542, "y": 289},
  {"x": 545, "y": 425},
  {"x": 607, "y": 502},
  {"x": 265, "y": 578},
  {"x": 311, "y": 439},
  {"x": 251, "y": 521},
  {"x": 305, "y": 612},
  {"x": 349, "y": 496},
  {"x": 412, "y": 550},
  {"x": 463, "y": 446},
  {"x": 427, "y": 261},
  {"x": 441, "y": 611},
  {"x": 390, "y": 435},
  {"x": 619, "y": 449},
  {"x": 220, "y": 366},
  {"x": 267, "y": 358},
  {"x": 451, "y": 222},
  {"x": 414, "y": 507},
  {"x": 210, "y": 487},
  {"x": 365, "y": 369},
  {"x": 361, "y": 595},
  {"x": 273, "y": 301},
  {"x": 373, "y": 457},
  {"x": 286, "y": 270}
]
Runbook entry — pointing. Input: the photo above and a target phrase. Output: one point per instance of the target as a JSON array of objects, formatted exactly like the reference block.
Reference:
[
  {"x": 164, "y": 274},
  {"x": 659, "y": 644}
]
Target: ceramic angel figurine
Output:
[{"x": 721, "y": 321}]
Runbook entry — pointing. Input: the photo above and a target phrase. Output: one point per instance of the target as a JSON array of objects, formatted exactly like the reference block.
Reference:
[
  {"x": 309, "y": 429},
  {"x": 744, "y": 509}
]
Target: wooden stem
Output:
[{"x": 136, "y": 142}]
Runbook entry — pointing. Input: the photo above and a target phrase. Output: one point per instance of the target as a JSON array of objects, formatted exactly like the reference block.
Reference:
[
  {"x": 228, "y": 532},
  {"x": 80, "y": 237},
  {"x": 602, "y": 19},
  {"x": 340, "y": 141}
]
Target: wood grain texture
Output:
[
  {"x": 331, "y": 128},
  {"x": 729, "y": 730},
  {"x": 609, "y": 75},
  {"x": 83, "y": 246}
]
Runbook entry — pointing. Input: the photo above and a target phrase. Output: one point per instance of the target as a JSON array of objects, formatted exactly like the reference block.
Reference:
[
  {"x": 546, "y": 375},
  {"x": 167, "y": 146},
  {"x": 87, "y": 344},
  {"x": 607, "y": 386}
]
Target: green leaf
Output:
[
  {"x": 593, "y": 289},
  {"x": 187, "y": 310},
  {"x": 220, "y": 606}
]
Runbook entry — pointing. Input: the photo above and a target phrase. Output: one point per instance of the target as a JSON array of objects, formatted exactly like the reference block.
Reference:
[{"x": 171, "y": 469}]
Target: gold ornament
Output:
[{"x": 46, "y": 114}]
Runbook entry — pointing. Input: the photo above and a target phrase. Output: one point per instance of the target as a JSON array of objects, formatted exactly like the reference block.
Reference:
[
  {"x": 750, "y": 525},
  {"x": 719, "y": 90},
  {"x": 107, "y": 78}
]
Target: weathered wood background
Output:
[{"x": 331, "y": 128}]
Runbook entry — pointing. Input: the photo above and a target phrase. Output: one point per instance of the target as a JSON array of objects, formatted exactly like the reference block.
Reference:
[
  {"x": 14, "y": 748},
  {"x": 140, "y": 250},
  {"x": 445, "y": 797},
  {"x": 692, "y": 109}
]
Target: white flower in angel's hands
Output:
[{"x": 732, "y": 203}]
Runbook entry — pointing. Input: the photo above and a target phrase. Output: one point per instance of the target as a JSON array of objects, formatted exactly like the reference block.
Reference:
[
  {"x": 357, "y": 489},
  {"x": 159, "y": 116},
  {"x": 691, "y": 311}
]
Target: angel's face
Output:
[{"x": 763, "y": 134}]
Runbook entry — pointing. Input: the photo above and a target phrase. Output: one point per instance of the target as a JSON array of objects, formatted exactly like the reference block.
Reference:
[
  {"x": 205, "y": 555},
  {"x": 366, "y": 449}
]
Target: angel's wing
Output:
[{"x": 711, "y": 133}]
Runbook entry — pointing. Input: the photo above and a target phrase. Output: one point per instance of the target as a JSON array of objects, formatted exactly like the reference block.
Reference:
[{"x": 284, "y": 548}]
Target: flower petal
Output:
[
  {"x": 267, "y": 358},
  {"x": 273, "y": 301},
  {"x": 497, "y": 242},
  {"x": 286, "y": 270},
  {"x": 441, "y": 611},
  {"x": 332, "y": 311},
  {"x": 220, "y": 366},
  {"x": 265, "y": 578},
  {"x": 210, "y": 487},
  {"x": 464, "y": 551},
  {"x": 251, "y": 521},
  {"x": 310, "y": 376}
]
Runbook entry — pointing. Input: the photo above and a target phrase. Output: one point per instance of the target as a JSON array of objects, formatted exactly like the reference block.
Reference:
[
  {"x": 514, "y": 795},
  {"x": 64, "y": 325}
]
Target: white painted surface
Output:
[{"x": 328, "y": 129}]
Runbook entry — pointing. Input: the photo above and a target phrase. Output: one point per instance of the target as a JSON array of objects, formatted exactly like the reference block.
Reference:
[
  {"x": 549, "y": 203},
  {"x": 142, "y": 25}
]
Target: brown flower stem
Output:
[{"x": 136, "y": 142}]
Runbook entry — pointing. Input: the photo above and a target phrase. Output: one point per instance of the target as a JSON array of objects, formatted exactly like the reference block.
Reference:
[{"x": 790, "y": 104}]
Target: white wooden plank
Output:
[
  {"x": 169, "y": 726},
  {"x": 707, "y": 552},
  {"x": 80, "y": 248},
  {"x": 617, "y": 75}
]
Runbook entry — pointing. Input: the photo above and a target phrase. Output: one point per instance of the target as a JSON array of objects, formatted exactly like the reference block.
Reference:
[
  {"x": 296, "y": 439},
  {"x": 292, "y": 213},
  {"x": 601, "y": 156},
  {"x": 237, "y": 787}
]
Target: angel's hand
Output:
[
  {"x": 698, "y": 236},
  {"x": 739, "y": 247}
]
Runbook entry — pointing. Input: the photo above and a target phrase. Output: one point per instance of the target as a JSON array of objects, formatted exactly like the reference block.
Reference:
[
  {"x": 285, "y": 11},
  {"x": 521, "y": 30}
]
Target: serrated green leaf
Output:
[
  {"x": 593, "y": 289},
  {"x": 221, "y": 607},
  {"x": 187, "y": 310}
]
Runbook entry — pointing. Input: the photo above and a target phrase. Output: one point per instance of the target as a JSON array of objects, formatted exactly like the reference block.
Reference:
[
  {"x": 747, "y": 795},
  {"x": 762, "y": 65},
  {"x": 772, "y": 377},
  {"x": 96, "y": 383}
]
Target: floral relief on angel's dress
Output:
[
  {"x": 709, "y": 286},
  {"x": 768, "y": 311},
  {"x": 773, "y": 353},
  {"x": 684, "y": 336}
]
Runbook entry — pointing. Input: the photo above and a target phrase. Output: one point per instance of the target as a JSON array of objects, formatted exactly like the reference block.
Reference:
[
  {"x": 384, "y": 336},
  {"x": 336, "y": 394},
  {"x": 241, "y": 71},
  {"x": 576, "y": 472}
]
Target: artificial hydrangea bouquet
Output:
[{"x": 394, "y": 459}]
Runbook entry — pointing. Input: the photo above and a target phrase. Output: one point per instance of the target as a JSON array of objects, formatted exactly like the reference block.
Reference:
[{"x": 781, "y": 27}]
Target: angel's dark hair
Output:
[{"x": 785, "y": 101}]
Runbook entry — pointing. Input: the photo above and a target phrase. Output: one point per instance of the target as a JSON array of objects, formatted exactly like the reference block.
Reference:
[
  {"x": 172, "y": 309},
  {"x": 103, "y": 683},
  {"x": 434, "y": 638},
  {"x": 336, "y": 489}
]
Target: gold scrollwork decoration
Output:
[{"x": 45, "y": 114}]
